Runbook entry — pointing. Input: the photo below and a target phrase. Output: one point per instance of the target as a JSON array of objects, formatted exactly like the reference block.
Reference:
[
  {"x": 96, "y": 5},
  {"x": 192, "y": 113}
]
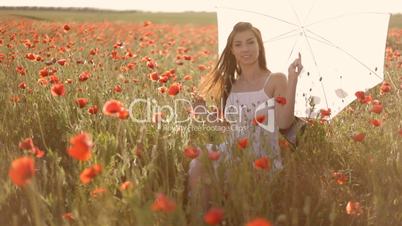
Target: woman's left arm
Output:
[{"x": 286, "y": 88}]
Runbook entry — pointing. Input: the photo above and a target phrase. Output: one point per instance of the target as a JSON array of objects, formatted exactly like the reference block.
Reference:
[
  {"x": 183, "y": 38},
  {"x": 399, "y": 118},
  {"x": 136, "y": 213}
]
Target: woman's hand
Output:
[{"x": 295, "y": 68}]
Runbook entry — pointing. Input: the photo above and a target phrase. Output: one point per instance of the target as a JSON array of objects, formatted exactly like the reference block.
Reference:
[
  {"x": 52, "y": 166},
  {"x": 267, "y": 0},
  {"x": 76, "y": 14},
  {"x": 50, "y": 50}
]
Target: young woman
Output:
[{"x": 247, "y": 90}]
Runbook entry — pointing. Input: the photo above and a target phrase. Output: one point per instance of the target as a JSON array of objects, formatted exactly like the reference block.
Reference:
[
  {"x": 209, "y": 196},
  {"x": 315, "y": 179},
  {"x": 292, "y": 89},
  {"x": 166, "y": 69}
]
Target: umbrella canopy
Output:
[{"x": 342, "y": 45}]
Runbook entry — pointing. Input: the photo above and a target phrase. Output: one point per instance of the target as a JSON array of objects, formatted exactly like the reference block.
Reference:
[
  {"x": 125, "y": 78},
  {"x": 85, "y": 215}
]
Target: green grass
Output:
[
  {"x": 99, "y": 15},
  {"x": 305, "y": 193},
  {"x": 127, "y": 16}
]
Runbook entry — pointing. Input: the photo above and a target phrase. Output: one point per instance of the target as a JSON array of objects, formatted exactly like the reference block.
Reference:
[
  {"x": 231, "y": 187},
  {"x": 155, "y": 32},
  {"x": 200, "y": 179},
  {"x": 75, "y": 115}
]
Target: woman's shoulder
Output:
[
  {"x": 277, "y": 75},
  {"x": 277, "y": 78}
]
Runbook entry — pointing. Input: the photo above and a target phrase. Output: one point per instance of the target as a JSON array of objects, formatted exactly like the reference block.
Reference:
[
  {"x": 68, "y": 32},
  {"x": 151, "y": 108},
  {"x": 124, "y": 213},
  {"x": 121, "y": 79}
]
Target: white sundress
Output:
[{"x": 263, "y": 137}]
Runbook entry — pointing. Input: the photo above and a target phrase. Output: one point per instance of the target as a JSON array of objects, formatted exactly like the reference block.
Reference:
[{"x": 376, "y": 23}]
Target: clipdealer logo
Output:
[{"x": 143, "y": 110}]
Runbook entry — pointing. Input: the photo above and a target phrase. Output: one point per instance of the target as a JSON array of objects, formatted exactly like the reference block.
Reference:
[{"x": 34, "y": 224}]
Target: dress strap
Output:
[{"x": 266, "y": 80}]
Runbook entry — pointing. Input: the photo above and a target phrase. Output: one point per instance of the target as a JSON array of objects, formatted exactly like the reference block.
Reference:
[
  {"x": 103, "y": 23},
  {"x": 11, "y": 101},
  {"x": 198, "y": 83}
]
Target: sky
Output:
[{"x": 393, "y": 6}]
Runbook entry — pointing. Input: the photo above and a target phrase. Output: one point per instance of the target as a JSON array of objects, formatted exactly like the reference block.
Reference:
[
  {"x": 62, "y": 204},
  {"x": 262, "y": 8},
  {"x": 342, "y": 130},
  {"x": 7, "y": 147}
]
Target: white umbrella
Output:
[{"x": 342, "y": 45}]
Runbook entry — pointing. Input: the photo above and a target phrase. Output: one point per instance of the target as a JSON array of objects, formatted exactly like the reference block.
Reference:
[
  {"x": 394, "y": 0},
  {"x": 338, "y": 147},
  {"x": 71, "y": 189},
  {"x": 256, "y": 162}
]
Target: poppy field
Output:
[{"x": 71, "y": 153}]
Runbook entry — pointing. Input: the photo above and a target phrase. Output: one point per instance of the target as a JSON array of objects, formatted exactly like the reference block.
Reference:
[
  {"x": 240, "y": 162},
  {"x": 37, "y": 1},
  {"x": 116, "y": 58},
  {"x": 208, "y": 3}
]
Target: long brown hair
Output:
[{"x": 218, "y": 83}]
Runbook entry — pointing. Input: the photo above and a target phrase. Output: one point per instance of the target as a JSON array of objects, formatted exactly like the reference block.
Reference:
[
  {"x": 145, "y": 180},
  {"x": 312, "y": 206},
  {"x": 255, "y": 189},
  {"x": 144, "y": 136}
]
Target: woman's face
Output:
[{"x": 245, "y": 48}]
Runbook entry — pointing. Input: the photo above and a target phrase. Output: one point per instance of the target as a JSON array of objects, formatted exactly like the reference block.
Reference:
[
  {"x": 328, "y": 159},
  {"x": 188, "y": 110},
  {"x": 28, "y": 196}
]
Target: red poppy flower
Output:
[
  {"x": 169, "y": 73},
  {"x": 68, "y": 217},
  {"x": 93, "y": 110},
  {"x": 353, "y": 208},
  {"x": 37, "y": 152},
  {"x": 126, "y": 185},
  {"x": 131, "y": 65},
  {"x": 97, "y": 192},
  {"x": 385, "y": 87},
  {"x": 54, "y": 79},
  {"x": 340, "y": 178},
  {"x": 81, "y": 102},
  {"x": 58, "y": 89},
  {"x": 162, "y": 89},
  {"x": 375, "y": 122},
  {"x": 163, "y": 204},
  {"x": 174, "y": 89},
  {"x": 66, "y": 27},
  {"x": 90, "y": 173},
  {"x": 242, "y": 143},
  {"x": 43, "y": 72},
  {"x": 112, "y": 108},
  {"x": 259, "y": 222},
  {"x": 367, "y": 99},
  {"x": 358, "y": 137},
  {"x": 15, "y": 99},
  {"x": 360, "y": 95},
  {"x": 151, "y": 64},
  {"x": 214, "y": 155},
  {"x": 191, "y": 152},
  {"x": 325, "y": 112},
  {"x": 22, "y": 170},
  {"x": 187, "y": 77},
  {"x": 202, "y": 67},
  {"x": 262, "y": 163},
  {"x": 22, "y": 85},
  {"x": 154, "y": 76},
  {"x": 377, "y": 108},
  {"x": 258, "y": 119},
  {"x": 214, "y": 216},
  {"x": 280, "y": 100},
  {"x": 163, "y": 79},
  {"x": 20, "y": 70},
  {"x": 31, "y": 56},
  {"x": 187, "y": 57},
  {"x": 62, "y": 62},
  {"x": 43, "y": 81},
  {"x": 26, "y": 144},
  {"x": 123, "y": 114},
  {"x": 117, "y": 89},
  {"x": 84, "y": 76},
  {"x": 81, "y": 146}
]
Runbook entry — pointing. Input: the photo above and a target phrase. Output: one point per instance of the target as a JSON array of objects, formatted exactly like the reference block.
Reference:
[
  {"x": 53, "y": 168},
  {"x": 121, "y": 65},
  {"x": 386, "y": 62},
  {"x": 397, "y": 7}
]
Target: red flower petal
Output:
[
  {"x": 58, "y": 89},
  {"x": 353, "y": 208},
  {"x": 163, "y": 204},
  {"x": 22, "y": 170},
  {"x": 258, "y": 119},
  {"x": 259, "y": 222},
  {"x": 112, "y": 108},
  {"x": 262, "y": 163},
  {"x": 214, "y": 216},
  {"x": 81, "y": 146},
  {"x": 242, "y": 143},
  {"x": 191, "y": 152},
  {"x": 90, "y": 173},
  {"x": 358, "y": 137},
  {"x": 280, "y": 100}
]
